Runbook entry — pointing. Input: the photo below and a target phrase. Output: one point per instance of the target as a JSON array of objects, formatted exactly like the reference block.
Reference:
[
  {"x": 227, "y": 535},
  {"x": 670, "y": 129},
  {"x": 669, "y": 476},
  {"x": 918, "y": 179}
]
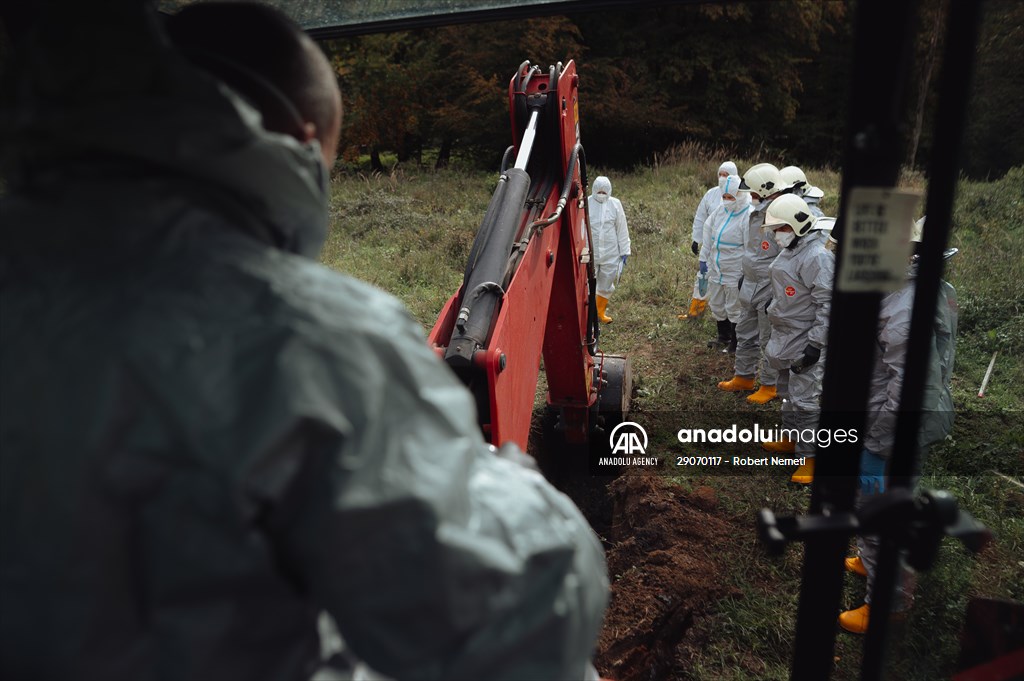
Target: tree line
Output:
[{"x": 746, "y": 77}]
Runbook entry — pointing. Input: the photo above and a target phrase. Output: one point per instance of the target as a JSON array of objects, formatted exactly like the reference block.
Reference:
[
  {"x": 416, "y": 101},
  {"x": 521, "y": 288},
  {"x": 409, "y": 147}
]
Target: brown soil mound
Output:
[{"x": 661, "y": 563}]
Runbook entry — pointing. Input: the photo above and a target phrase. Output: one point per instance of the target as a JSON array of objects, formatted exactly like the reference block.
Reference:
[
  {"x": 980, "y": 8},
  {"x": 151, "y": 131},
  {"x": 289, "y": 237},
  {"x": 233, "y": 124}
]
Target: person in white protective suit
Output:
[
  {"x": 764, "y": 184},
  {"x": 721, "y": 260},
  {"x": 883, "y": 405},
  {"x": 797, "y": 182},
  {"x": 709, "y": 203},
  {"x": 801, "y": 281},
  {"x": 247, "y": 439},
  {"x": 611, "y": 242}
]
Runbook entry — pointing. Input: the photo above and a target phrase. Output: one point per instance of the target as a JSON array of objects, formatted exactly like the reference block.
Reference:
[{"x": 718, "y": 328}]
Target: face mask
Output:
[
  {"x": 783, "y": 239},
  {"x": 721, "y": 182},
  {"x": 755, "y": 204},
  {"x": 600, "y": 198},
  {"x": 729, "y": 204}
]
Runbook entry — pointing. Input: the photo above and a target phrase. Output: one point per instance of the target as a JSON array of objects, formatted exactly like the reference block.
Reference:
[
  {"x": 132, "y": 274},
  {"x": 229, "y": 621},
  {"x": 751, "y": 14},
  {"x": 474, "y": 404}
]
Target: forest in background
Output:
[
  {"x": 754, "y": 78},
  {"x": 767, "y": 79}
]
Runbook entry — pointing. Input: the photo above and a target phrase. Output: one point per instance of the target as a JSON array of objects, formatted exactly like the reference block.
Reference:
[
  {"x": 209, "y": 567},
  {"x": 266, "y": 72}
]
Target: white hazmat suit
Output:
[
  {"x": 722, "y": 250},
  {"x": 611, "y": 240},
  {"x": 709, "y": 203}
]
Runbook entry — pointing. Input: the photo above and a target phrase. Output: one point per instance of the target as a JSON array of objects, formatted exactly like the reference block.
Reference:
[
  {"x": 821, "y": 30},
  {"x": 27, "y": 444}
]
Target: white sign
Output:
[{"x": 876, "y": 239}]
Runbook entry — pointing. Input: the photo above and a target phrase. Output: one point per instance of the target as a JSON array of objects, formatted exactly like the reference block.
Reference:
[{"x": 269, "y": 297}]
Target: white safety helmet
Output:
[
  {"x": 791, "y": 210},
  {"x": 827, "y": 224},
  {"x": 917, "y": 232},
  {"x": 764, "y": 179},
  {"x": 811, "y": 192},
  {"x": 793, "y": 178},
  {"x": 917, "y": 236}
]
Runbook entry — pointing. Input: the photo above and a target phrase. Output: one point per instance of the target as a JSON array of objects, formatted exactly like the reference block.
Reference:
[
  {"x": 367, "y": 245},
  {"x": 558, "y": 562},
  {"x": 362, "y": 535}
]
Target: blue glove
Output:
[
  {"x": 624, "y": 261},
  {"x": 703, "y": 267},
  {"x": 872, "y": 473}
]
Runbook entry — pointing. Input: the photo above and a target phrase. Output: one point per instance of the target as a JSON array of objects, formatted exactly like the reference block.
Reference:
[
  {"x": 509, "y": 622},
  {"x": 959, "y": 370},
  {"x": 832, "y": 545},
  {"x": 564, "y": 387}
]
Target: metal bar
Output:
[
  {"x": 526, "y": 147},
  {"x": 943, "y": 169},
  {"x": 427, "y": 17},
  {"x": 874, "y": 151}
]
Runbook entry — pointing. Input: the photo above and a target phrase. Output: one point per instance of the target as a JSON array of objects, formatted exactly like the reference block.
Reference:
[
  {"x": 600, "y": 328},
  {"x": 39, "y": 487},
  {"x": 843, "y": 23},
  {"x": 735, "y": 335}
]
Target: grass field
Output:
[{"x": 409, "y": 233}]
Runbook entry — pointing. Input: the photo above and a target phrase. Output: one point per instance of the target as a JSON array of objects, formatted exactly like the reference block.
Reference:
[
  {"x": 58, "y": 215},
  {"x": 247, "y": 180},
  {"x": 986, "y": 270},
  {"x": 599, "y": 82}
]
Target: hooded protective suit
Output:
[
  {"x": 722, "y": 250},
  {"x": 710, "y": 202},
  {"x": 724, "y": 232},
  {"x": 611, "y": 235},
  {"x": 799, "y": 314},
  {"x": 207, "y": 438},
  {"x": 608, "y": 224}
]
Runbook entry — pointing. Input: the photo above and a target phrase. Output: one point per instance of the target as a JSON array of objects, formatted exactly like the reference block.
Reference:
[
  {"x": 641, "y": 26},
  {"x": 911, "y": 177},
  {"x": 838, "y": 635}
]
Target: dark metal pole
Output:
[
  {"x": 943, "y": 169},
  {"x": 874, "y": 152}
]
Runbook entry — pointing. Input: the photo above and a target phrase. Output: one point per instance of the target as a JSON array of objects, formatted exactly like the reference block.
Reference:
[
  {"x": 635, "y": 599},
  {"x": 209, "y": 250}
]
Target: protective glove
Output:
[
  {"x": 872, "y": 473},
  {"x": 695, "y": 247},
  {"x": 811, "y": 356},
  {"x": 703, "y": 267},
  {"x": 624, "y": 261}
]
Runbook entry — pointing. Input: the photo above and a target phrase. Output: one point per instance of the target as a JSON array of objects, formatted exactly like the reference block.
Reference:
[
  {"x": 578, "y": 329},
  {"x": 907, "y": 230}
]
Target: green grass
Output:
[{"x": 410, "y": 233}]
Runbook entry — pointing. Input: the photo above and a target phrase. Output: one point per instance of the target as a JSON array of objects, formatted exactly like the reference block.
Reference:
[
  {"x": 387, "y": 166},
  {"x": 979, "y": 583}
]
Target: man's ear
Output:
[{"x": 308, "y": 132}]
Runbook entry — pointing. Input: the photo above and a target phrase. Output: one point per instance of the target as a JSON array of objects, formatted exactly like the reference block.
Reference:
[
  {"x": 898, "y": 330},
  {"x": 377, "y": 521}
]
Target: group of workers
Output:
[{"x": 766, "y": 269}]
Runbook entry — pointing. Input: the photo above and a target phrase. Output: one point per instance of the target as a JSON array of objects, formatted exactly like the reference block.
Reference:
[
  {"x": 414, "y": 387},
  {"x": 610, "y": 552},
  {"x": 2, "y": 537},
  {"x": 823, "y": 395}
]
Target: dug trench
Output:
[{"x": 663, "y": 546}]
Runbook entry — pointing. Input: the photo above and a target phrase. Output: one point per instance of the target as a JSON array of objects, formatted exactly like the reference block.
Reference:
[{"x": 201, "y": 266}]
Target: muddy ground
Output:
[{"x": 661, "y": 549}]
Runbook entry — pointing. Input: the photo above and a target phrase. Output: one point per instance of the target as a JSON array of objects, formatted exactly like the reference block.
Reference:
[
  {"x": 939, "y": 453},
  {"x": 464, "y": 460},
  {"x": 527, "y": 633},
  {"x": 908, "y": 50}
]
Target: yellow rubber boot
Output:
[
  {"x": 766, "y": 393},
  {"x": 780, "y": 447},
  {"x": 856, "y": 566},
  {"x": 602, "y": 306},
  {"x": 804, "y": 475},
  {"x": 737, "y": 384},
  {"x": 855, "y": 621},
  {"x": 697, "y": 307}
]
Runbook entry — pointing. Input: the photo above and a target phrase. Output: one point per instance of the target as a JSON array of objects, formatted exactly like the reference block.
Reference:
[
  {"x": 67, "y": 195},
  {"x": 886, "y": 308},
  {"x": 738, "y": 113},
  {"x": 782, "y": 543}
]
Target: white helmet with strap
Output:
[
  {"x": 764, "y": 179},
  {"x": 794, "y": 178},
  {"x": 791, "y": 210}
]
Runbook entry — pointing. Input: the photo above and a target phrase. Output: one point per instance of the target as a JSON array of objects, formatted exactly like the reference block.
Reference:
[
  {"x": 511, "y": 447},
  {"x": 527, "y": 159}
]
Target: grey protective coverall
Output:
[
  {"x": 207, "y": 438},
  {"x": 799, "y": 313},
  {"x": 887, "y": 386},
  {"x": 753, "y": 329}
]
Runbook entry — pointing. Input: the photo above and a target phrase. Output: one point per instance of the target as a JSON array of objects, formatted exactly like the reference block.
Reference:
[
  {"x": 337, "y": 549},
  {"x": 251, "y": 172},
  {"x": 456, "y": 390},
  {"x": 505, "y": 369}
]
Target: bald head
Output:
[{"x": 265, "y": 57}]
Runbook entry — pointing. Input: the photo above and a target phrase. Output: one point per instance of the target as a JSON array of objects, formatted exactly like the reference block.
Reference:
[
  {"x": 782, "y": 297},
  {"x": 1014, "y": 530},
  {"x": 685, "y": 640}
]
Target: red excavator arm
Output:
[{"x": 528, "y": 289}]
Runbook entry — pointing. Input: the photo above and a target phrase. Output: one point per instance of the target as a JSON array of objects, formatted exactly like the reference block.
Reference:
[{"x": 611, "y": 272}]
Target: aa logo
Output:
[
  {"x": 765, "y": 245},
  {"x": 790, "y": 291},
  {"x": 628, "y": 438}
]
